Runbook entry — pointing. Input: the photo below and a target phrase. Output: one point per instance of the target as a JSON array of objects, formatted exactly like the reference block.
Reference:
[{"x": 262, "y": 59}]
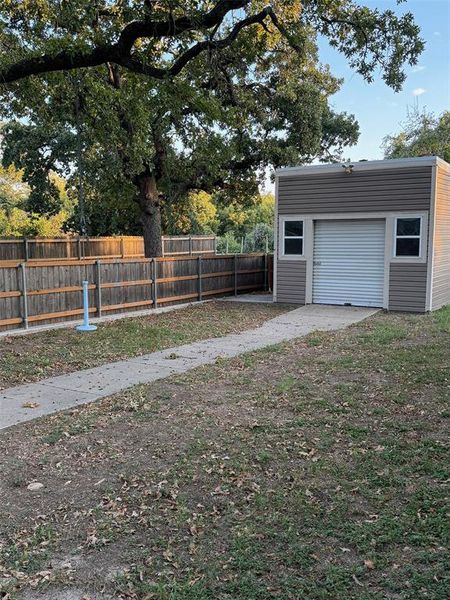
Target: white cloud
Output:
[
  {"x": 418, "y": 68},
  {"x": 437, "y": 33},
  {"x": 419, "y": 91}
]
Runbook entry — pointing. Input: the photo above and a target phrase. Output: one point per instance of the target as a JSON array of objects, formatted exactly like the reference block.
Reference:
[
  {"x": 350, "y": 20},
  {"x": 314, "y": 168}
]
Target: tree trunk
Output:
[{"x": 149, "y": 202}]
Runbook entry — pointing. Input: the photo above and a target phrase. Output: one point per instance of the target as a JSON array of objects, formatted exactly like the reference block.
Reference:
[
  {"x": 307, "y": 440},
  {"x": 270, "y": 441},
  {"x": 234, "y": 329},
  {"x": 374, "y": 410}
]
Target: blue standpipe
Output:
[{"x": 86, "y": 325}]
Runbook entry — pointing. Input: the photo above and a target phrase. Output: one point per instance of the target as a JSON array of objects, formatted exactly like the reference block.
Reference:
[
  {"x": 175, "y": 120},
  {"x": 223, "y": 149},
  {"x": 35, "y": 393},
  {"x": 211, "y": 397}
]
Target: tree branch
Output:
[
  {"x": 352, "y": 24},
  {"x": 138, "y": 67},
  {"x": 118, "y": 52},
  {"x": 61, "y": 61},
  {"x": 173, "y": 27}
]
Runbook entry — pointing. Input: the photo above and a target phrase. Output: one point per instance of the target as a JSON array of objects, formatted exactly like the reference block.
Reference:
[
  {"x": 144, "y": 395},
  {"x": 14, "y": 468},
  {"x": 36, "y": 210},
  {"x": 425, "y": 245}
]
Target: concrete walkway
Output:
[{"x": 68, "y": 391}]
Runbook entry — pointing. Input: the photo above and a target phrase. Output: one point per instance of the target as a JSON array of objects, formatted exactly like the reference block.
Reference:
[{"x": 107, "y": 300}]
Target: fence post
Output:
[
  {"x": 122, "y": 247},
  {"x": 199, "y": 270},
  {"x": 79, "y": 247},
  {"x": 25, "y": 249},
  {"x": 267, "y": 245},
  {"x": 215, "y": 244},
  {"x": 242, "y": 245},
  {"x": 155, "y": 283},
  {"x": 266, "y": 273},
  {"x": 226, "y": 249},
  {"x": 23, "y": 273},
  {"x": 98, "y": 287},
  {"x": 190, "y": 245},
  {"x": 235, "y": 275}
]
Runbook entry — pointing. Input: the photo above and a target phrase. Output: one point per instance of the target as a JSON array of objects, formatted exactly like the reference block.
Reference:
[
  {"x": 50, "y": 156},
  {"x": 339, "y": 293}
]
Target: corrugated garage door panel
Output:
[{"x": 349, "y": 262}]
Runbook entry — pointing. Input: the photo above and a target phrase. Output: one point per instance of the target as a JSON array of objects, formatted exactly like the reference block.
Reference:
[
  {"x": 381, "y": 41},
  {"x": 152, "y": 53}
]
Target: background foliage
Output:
[
  {"x": 423, "y": 134},
  {"x": 17, "y": 217}
]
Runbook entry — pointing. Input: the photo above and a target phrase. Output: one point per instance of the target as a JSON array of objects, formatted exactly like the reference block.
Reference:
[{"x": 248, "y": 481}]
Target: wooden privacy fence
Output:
[
  {"x": 45, "y": 292},
  {"x": 77, "y": 248}
]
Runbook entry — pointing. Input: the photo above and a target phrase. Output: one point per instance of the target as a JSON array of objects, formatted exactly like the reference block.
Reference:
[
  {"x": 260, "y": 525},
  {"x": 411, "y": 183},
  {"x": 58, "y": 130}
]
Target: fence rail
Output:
[
  {"x": 45, "y": 292},
  {"x": 78, "y": 248}
]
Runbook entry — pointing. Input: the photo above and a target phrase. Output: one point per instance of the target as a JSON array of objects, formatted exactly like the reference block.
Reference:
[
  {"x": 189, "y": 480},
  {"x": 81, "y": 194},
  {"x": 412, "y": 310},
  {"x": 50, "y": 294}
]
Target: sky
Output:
[{"x": 378, "y": 109}]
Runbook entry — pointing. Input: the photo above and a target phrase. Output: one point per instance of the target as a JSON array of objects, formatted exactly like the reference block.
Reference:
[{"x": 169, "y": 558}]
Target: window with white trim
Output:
[
  {"x": 292, "y": 237},
  {"x": 408, "y": 231}
]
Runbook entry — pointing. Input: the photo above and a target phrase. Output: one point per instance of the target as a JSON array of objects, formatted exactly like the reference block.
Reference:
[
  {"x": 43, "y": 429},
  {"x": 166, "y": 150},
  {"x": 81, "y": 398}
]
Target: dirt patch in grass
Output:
[
  {"x": 312, "y": 470},
  {"x": 39, "y": 355}
]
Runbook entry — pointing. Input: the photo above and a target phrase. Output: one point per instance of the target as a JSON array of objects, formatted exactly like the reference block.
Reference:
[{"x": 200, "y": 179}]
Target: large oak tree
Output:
[{"x": 176, "y": 96}]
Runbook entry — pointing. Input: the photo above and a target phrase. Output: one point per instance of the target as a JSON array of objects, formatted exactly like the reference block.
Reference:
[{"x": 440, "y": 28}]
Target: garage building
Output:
[{"x": 373, "y": 233}]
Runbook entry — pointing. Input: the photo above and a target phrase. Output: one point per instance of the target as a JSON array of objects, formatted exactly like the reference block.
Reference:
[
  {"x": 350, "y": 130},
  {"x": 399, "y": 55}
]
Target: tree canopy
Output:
[
  {"x": 161, "y": 99},
  {"x": 423, "y": 134},
  {"x": 159, "y": 39}
]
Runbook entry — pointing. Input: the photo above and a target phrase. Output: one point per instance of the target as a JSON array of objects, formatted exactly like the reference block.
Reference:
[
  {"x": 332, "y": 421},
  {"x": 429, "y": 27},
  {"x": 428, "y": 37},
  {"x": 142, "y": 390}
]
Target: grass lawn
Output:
[
  {"x": 312, "y": 470},
  {"x": 43, "y": 354}
]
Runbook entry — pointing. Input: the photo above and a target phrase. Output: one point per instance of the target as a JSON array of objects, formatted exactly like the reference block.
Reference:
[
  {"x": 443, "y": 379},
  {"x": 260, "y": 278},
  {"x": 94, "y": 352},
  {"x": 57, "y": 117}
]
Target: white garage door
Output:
[{"x": 349, "y": 262}]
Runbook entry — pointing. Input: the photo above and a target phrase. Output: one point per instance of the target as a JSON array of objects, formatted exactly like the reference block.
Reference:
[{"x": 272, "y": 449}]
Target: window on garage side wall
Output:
[
  {"x": 408, "y": 232},
  {"x": 292, "y": 237}
]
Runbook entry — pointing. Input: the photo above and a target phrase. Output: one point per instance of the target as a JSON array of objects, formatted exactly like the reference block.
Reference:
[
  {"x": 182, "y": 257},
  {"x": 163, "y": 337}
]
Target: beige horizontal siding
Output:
[
  {"x": 291, "y": 281},
  {"x": 407, "y": 287},
  {"x": 441, "y": 272},
  {"x": 363, "y": 191}
]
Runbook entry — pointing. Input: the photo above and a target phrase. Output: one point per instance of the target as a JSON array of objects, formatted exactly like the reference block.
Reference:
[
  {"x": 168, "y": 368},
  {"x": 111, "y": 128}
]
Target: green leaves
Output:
[
  {"x": 423, "y": 134},
  {"x": 370, "y": 39}
]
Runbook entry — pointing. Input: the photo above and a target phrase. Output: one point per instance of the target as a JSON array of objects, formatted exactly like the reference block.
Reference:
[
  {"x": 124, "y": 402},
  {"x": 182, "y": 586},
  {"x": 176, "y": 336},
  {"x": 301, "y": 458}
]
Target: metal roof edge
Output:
[{"x": 388, "y": 163}]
